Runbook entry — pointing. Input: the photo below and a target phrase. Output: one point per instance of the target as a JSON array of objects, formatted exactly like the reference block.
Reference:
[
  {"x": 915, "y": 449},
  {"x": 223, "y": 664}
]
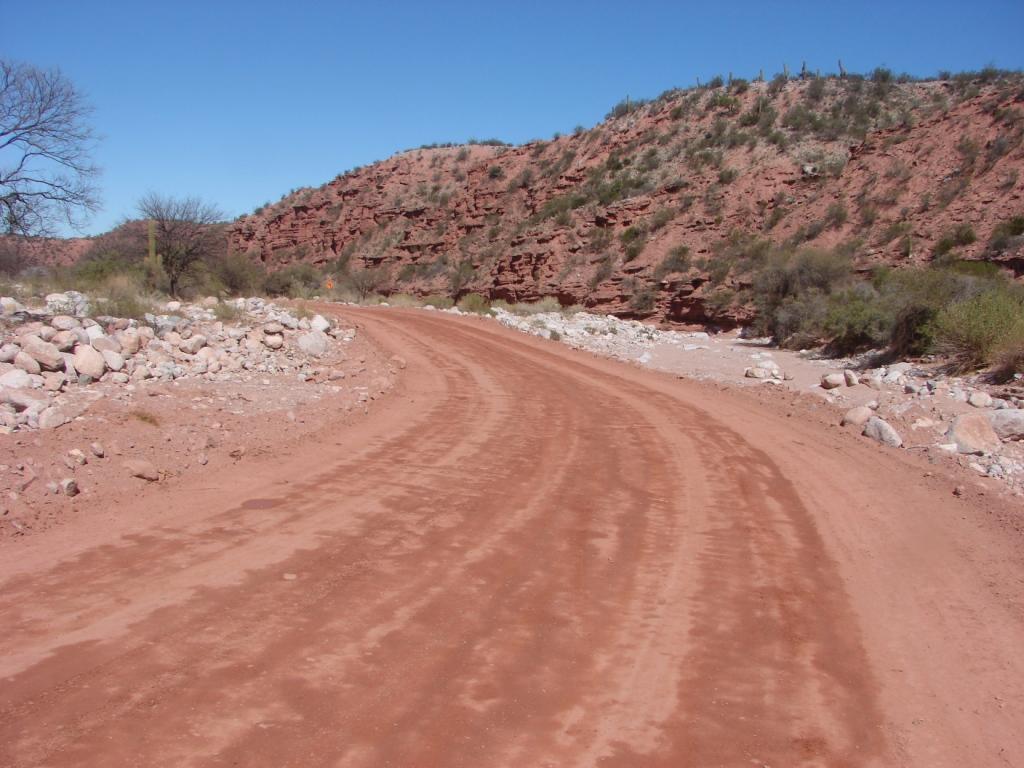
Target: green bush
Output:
[
  {"x": 295, "y": 280},
  {"x": 983, "y": 329},
  {"x": 677, "y": 260},
  {"x": 474, "y": 302}
]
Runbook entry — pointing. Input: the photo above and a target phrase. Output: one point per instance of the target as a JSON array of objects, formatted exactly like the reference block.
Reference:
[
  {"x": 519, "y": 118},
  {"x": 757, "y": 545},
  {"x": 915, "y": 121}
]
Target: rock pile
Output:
[{"x": 49, "y": 353}]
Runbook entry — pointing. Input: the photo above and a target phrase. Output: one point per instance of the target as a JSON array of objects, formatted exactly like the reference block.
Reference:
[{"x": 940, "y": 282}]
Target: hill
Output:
[{"x": 664, "y": 209}]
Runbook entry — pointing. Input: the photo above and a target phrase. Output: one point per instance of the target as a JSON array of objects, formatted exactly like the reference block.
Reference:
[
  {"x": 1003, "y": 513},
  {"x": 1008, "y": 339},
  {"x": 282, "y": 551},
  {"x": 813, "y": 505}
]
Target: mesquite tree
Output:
[
  {"x": 187, "y": 231},
  {"x": 47, "y": 177}
]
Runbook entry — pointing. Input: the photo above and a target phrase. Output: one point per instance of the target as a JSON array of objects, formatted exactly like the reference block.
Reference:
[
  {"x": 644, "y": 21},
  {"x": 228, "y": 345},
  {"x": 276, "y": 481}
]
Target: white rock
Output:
[
  {"x": 980, "y": 399},
  {"x": 45, "y": 354},
  {"x": 26, "y": 362},
  {"x": 313, "y": 343},
  {"x": 851, "y": 378},
  {"x": 64, "y": 322},
  {"x": 114, "y": 360},
  {"x": 192, "y": 344},
  {"x": 857, "y": 417},
  {"x": 320, "y": 323},
  {"x": 832, "y": 380},
  {"x": 89, "y": 362},
  {"x": 273, "y": 340},
  {"x": 973, "y": 433},
  {"x": 8, "y": 352},
  {"x": 53, "y": 417},
  {"x": 1008, "y": 423},
  {"x": 880, "y": 430}
]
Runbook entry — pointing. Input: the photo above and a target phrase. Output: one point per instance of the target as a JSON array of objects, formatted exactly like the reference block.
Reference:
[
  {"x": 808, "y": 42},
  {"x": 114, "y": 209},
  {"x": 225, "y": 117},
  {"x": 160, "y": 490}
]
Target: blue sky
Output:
[{"x": 238, "y": 102}]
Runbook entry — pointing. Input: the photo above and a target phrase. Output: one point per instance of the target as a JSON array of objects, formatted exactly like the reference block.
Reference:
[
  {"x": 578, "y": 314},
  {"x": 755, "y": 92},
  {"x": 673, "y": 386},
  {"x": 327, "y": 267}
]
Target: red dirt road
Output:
[{"x": 527, "y": 557}]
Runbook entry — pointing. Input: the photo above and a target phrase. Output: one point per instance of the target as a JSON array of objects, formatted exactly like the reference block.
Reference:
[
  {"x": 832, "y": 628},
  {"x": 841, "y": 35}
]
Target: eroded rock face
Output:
[{"x": 552, "y": 218}]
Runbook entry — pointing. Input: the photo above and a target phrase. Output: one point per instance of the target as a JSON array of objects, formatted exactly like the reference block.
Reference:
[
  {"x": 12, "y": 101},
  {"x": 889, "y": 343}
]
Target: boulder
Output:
[
  {"x": 758, "y": 372},
  {"x": 857, "y": 417},
  {"x": 973, "y": 433},
  {"x": 192, "y": 344},
  {"x": 26, "y": 362},
  {"x": 129, "y": 340},
  {"x": 43, "y": 352},
  {"x": 69, "y": 487},
  {"x": 64, "y": 322},
  {"x": 8, "y": 352},
  {"x": 16, "y": 379},
  {"x": 114, "y": 360},
  {"x": 320, "y": 323},
  {"x": 980, "y": 399},
  {"x": 65, "y": 341},
  {"x": 89, "y": 362},
  {"x": 106, "y": 344},
  {"x": 274, "y": 340},
  {"x": 832, "y": 380},
  {"x": 1008, "y": 423},
  {"x": 851, "y": 378},
  {"x": 9, "y": 306},
  {"x": 880, "y": 430},
  {"x": 313, "y": 343}
]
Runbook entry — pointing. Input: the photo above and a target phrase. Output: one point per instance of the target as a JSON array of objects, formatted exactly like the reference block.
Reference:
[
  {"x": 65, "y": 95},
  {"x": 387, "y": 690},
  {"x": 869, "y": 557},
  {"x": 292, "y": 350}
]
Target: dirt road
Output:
[{"x": 527, "y": 557}]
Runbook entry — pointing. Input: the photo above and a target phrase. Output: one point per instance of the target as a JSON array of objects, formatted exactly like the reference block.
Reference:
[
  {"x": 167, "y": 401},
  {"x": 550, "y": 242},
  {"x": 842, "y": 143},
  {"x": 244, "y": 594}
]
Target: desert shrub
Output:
[
  {"x": 226, "y": 312},
  {"x": 836, "y": 215},
  {"x": 677, "y": 260},
  {"x": 604, "y": 270},
  {"x": 524, "y": 308},
  {"x": 980, "y": 330},
  {"x": 495, "y": 172},
  {"x": 1006, "y": 234},
  {"x": 238, "y": 274},
  {"x": 439, "y": 302},
  {"x": 364, "y": 282},
  {"x": 661, "y": 217},
  {"x": 728, "y": 175},
  {"x": 642, "y": 300},
  {"x": 121, "y": 296},
  {"x": 474, "y": 302},
  {"x": 295, "y": 280},
  {"x": 962, "y": 234},
  {"x": 633, "y": 240},
  {"x": 791, "y": 290},
  {"x": 856, "y": 317}
]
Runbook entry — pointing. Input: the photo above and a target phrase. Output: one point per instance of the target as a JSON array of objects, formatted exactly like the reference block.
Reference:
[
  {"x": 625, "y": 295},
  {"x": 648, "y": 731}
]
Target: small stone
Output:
[
  {"x": 851, "y": 378},
  {"x": 69, "y": 487},
  {"x": 273, "y": 341},
  {"x": 289, "y": 577},
  {"x": 959, "y": 490},
  {"x": 97, "y": 450},
  {"x": 78, "y": 457}
]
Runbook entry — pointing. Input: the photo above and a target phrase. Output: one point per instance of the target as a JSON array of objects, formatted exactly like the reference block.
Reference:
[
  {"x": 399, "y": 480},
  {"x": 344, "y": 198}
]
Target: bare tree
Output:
[
  {"x": 187, "y": 232},
  {"x": 46, "y": 172}
]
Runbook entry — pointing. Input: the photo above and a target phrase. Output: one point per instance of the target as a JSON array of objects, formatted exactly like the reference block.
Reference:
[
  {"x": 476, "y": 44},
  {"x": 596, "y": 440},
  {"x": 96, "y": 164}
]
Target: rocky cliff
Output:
[{"x": 655, "y": 211}]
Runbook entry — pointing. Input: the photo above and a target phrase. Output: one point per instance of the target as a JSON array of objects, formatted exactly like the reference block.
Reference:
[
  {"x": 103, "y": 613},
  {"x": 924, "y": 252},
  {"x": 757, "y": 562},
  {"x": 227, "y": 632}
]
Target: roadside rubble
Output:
[
  {"x": 901, "y": 404},
  {"x": 52, "y": 356}
]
